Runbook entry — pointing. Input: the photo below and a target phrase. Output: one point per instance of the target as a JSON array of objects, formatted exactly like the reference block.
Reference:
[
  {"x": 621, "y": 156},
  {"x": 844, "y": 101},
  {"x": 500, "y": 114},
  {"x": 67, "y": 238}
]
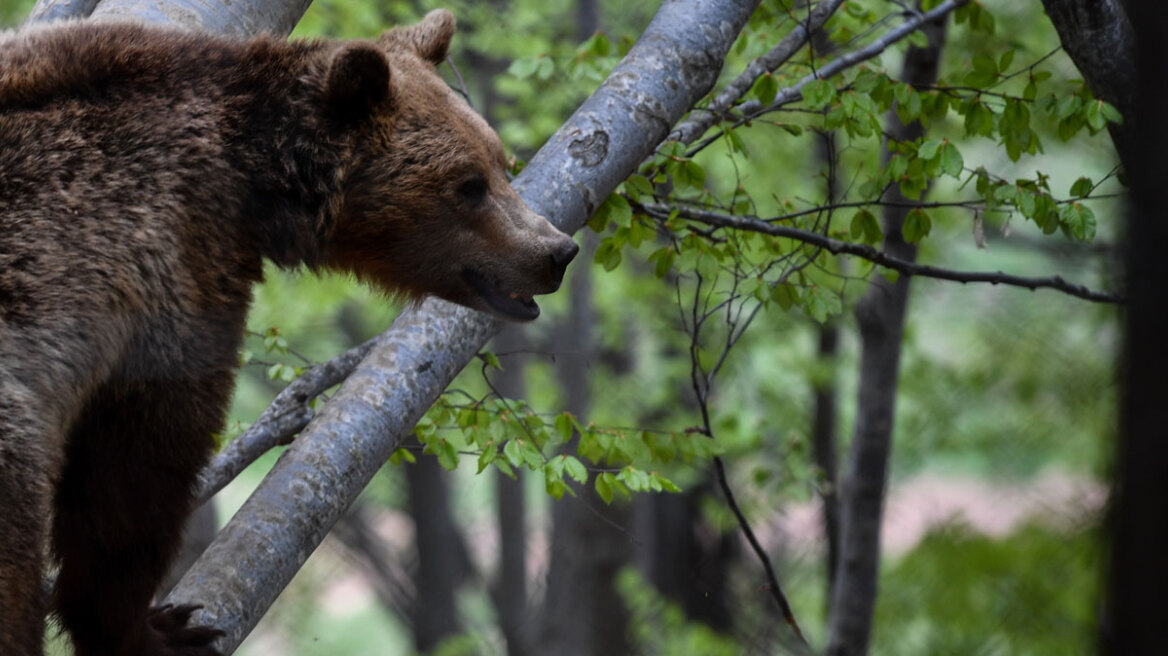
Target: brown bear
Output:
[{"x": 144, "y": 175}]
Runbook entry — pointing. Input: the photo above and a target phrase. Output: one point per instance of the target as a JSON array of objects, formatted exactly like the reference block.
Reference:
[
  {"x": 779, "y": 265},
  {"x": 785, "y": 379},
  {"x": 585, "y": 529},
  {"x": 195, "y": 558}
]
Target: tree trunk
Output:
[
  {"x": 509, "y": 589},
  {"x": 880, "y": 318},
  {"x": 686, "y": 558},
  {"x": 824, "y": 449},
  {"x": 823, "y": 427},
  {"x": 442, "y": 559},
  {"x": 380, "y": 568},
  {"x": 582, "y": 613},
  {"x": 1101, "y": 41},
  {"x": 1134, "y": 618}
]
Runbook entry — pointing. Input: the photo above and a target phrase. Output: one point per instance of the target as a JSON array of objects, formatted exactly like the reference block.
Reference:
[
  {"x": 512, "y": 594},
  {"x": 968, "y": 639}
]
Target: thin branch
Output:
[
  {"x": 776, "y": 588},
  {"x": 864, "y": 251},
  {"x": 693, "y": 127},
  {"x": 754, "y": 109},
  {"x": 288, "y": 414}
]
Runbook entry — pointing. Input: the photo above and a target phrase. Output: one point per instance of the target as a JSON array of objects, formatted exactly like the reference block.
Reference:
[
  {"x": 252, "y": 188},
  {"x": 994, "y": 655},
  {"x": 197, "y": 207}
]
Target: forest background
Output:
[{"x": 1005, "y": 413}]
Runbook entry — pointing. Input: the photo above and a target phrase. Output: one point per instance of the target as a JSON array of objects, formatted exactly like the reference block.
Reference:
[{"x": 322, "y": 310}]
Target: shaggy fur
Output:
[{"x": 144, "y": 176}]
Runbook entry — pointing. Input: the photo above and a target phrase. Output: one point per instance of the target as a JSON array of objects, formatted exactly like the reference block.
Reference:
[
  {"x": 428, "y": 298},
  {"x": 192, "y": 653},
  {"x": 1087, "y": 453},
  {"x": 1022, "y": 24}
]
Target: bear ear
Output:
[
  {"x": 430, "y": 38},
  {"x": 358, "y": 81}
]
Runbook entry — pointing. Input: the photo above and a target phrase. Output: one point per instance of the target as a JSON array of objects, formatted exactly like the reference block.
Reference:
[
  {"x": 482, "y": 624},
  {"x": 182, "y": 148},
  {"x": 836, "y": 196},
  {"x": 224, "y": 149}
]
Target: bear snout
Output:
[{"x": 562, "y": 254}]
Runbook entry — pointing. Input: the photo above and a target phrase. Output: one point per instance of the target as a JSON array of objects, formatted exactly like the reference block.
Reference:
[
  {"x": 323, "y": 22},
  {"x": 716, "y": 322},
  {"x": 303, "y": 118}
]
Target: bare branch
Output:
[
  {"x": 864, "y": 251},
  {"x": 286, "y": 416},
  {"x": 776, "y": 589}
]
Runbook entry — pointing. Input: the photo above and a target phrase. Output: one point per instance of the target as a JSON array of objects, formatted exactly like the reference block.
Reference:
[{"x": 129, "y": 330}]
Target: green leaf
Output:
[
  {"x": 505, "y": 467},
  {"x": 402, "y": 455},
  {"x": 929, "y": 149},
  {"x": 1005, "y": 60},
  {"x": 866, "y": 227},
  {"x": 821, "y": 303},
  {"x": 818, "y": 94},
  {"x": 979, "y": 79},
  {"x": 544, "y": 67},
  {"x": 952, "y": 163},
  {"x": 447, "y": 455},
  {"x": 765, "y": 88},
  {"x": 563, "y": 426},
  {"x": 1082, "y": 187},
  {"x": 1093, "y": 114},
  {"x": 663, "y": 259},
  {"x": 614, "y": 209},
  {"x": 983, "y": 64},
  {"x": 575, "y": 469},
  {"x": 554, "y": 486},
  {"x": 784, "y": 294},
  {"x": 1066, "y": 106},
  {"x": 689, "y": 174},
  {"x": 513, "y": 452},
  {"x": 608, "y": 255},
  {"x": 523, "y": 68},
  {"x": 487, "y": 457},
  {"x": 491, "y": 359},
  {"x": 1111, "y": 113},
  {"x": 638, "y": 186},
  {"x": 531, "y": 455},
  {"x": 665, "y": 483},
  {"x": 604, "y": 486},
  {"x": 916, "y": 226},
  {"x": 1079, "y": 220}
]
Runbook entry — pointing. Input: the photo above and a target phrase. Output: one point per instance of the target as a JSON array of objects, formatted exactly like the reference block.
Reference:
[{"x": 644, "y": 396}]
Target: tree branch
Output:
[
  {"x": 753, "y": 109},
  {"x": 864, "y": 251},
  {"x": 776, "y": 589},
  {"x": 698, "y": 122},
  {"x": 286, "y": 416}
]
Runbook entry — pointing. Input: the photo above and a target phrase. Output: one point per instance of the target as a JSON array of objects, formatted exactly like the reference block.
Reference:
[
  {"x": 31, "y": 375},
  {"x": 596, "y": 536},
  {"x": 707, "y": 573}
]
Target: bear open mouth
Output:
[{"x": 508, "y": 305}]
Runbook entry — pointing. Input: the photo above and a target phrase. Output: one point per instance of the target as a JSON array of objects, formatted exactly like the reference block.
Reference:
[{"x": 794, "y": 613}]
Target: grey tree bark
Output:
[
  {"x": 1138, "y": 525},
  {"x": 880, "y": 318}
]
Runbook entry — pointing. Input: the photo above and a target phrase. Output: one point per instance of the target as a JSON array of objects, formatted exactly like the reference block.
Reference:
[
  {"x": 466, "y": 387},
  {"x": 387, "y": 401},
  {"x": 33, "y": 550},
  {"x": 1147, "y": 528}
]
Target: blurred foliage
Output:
[
  {"x": 660, "y": 627},
  {"x": 1034, "y": 593},
  {"x": 13, "y": 11}
]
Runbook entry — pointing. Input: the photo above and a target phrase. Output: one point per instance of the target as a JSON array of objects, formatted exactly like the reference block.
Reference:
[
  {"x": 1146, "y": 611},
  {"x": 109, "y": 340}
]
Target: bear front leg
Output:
[
  {"x": 27, "y": 468},
  {"x": 131, "y": 463}
]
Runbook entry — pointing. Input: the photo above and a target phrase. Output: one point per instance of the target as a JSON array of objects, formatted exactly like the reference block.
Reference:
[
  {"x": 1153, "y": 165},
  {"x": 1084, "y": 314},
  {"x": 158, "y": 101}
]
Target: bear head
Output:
[{"x": 427, "y": 207}]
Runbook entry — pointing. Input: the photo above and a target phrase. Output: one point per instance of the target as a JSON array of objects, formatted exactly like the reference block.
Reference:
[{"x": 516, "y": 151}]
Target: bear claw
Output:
[{"x": 172, "y": 636}]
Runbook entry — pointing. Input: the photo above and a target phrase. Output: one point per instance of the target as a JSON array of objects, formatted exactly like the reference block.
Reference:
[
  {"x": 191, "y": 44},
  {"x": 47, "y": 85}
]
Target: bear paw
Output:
[{"x": 170, "y": 635}]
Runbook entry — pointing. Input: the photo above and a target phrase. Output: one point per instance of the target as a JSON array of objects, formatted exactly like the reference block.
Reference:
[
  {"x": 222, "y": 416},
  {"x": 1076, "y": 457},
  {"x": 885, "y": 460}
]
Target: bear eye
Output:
[{"x": 473, "y": 190}]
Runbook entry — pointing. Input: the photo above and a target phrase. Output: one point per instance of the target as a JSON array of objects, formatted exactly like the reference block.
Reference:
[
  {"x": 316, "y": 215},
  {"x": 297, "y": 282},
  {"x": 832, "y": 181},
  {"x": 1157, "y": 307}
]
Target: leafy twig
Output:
[{"x": 864, "y": 251}]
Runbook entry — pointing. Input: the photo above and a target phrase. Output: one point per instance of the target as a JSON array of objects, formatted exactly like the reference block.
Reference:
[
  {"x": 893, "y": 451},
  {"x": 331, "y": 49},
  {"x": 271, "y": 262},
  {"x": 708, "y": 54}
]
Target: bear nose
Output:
[{"x": 563, "y": 253}]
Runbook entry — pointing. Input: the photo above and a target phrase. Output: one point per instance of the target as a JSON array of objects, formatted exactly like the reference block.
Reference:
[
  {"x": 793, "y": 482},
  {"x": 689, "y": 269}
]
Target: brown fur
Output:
[{"x": 144, "y": 175}]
